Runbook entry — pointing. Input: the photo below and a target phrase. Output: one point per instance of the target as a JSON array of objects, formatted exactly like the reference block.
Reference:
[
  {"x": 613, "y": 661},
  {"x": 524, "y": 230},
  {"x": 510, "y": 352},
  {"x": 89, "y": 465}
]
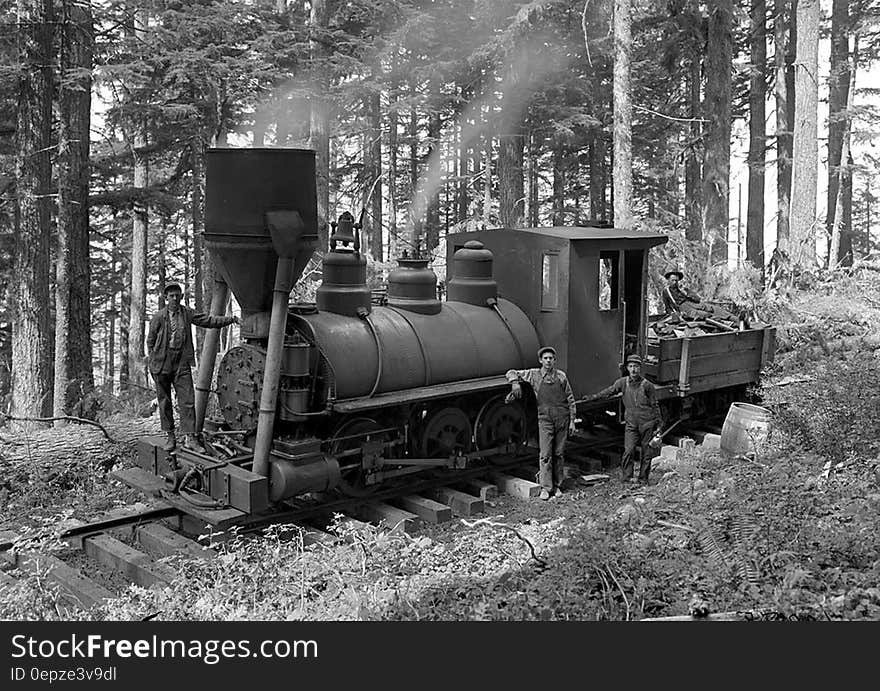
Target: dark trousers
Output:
[
  {"x": 552, "y": 435},
  {"x": 182, "y": 381},
  {"x": 637, "y": 436}
]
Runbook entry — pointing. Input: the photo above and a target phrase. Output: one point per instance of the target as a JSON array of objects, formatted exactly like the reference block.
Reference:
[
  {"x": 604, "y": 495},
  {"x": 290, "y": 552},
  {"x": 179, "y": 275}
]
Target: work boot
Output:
[
  {"x": 545, "y": 495},
  {"x": 191, "y": 442},
  {"x": 170, "y": 442},
  {"x": 559, "y": 492}
]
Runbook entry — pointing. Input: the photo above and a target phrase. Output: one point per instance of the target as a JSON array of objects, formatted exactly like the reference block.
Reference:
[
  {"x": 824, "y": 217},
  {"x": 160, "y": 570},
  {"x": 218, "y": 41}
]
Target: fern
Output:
[{"x": 711, "y": 547}]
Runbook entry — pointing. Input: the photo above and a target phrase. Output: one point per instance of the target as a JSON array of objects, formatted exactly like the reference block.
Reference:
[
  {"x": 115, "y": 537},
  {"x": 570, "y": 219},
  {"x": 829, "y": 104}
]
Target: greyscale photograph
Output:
[{"x": 439, "y": 310}]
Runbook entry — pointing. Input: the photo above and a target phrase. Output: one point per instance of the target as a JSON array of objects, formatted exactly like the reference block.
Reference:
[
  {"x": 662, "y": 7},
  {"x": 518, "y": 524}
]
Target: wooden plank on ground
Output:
[
  {"x": 86, "y": 592},
  {"x": 389, "y": 516},
  {"x": 461, "y": 504},
  {"x": 484, "y": 490},
  {"x": 427, "y": 509},
  {"x": 132, "y": 563},
  {"x": 159, "y": 539},
  {"x": 517, "y": 487},
  {"x": 141, "y": 480}
]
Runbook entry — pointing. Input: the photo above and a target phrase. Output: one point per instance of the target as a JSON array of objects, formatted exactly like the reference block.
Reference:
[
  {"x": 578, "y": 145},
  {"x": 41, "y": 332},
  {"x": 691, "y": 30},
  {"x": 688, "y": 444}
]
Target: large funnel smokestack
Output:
[{"x": 242, "y": 186}]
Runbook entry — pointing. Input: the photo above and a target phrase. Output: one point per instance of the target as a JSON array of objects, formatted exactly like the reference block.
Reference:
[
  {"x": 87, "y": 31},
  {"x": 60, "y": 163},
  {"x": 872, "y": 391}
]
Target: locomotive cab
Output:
[{"x": 584, "y": 289}]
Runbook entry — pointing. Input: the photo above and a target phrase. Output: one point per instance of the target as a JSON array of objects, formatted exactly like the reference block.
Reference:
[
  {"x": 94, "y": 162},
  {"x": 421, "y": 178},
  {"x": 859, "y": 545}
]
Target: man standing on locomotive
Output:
[
  {"x": 556, "y": 415},
  {"x": 170, "y": 357},
  {"x": 642, "y": 418}
]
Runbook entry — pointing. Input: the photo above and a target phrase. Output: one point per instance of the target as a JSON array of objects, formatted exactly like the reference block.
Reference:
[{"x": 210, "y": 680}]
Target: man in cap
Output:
[
  {"x": 642, "y": 418},
  {"x": 170, "y": 357},
  {"x": 556, "y": 414}
]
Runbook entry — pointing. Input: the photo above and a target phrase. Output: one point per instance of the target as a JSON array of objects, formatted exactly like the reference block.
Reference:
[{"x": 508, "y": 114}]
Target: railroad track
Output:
[{"x": 108, "y": 553}]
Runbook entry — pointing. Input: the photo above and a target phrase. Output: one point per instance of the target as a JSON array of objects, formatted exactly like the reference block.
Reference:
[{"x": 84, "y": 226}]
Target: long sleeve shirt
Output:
[
  {"x": 674, "y": 297},
  {"x": 536, "y": 376},
  {"x": 639, "y": 399},
  {"x": 163, "y": 335}
]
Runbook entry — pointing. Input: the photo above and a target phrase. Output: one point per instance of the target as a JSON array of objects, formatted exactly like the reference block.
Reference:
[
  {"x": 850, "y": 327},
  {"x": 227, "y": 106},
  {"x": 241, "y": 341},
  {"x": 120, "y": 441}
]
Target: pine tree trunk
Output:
[
  {"x": 559, "y": 185},
  {"x": 432, "y": 220},
  {"x": 533, "y": 162},
  {"x": 622, "y": 177},
  {"x": 319, "y": 130},
  {"x": 140, "y": 211},
  {"x": 716, "y": 167},
  {"x": 487, "y": 179},
  {"x": 197, "y": 214},
  {"x": 110, "y": 355},
  {"x": 846, "y": 254},
  {"x": 757, "y": 134},
  {"x": 598, "y": 208},
  {"x": 783, "y": 32},
  {"x": 464, "y": 157},
  {"x": 375, "y": 211},
  {"x": 413, "y": 135},
  {"x": 31, "y": 363},
  {"x": 393, "y": 248},
  {"x": 806, "y": 144},
  {"x": 838, "y": 90},
  {"x": 73, "y": 344},
  {"x": 162, "y": 259},
  {"x": 511, "y": 192},
  {"x": 841, "y": 251},
  {"x": 693, "y": 188},
  {"x": 124, "y": 320}
]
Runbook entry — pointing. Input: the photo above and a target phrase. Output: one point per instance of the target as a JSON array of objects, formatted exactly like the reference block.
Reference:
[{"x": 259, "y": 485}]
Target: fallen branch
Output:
[
  {"x": 678, "y": 526},
  {"x": 486, "y": 521},
  {"x": 71, "y": 418}
]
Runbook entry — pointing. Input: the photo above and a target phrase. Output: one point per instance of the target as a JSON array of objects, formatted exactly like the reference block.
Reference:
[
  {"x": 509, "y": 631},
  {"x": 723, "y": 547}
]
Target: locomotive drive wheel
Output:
[
  {"x": 350, "y": 435},
  {"x": 500, "y": 423},
  {"x": 445, "y": 432}
]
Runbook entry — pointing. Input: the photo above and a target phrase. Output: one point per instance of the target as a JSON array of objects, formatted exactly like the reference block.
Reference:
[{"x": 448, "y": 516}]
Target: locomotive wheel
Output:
[
  {"x": 349, "y": 435},
  {"x": 445, "y": 432},
  {"x": 500, "y": 423}
]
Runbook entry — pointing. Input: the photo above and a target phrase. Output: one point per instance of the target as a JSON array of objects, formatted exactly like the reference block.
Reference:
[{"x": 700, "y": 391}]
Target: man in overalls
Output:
[
  {"x": 556, "y": 415},
  {"x": 642, "y": 418}
]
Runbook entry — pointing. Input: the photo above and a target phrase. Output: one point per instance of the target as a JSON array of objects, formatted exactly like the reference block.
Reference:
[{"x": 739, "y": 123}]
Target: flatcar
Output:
[{"x": 345, "y": 395}]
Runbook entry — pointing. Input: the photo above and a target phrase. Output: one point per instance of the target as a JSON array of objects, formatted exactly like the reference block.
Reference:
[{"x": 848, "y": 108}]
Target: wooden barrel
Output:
[{"x": 746, "y": 428}]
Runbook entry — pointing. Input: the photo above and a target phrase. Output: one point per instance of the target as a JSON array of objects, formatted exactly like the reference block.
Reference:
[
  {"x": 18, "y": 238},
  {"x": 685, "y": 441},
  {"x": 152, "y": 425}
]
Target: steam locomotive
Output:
[{"x": 347, "y": 395}]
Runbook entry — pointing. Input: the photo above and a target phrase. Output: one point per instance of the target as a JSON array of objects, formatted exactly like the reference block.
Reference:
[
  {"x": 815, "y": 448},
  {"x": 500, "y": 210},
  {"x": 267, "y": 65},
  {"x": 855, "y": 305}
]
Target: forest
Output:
[
  {"x": 429, "y": 117},
  {"x": 432, "y": 116}
]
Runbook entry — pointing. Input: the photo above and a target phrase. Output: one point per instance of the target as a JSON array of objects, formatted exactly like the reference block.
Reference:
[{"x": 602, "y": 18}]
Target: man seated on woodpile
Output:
[
  {"x": 676, "y": 298},
  {"x": 681, "y": 303}
]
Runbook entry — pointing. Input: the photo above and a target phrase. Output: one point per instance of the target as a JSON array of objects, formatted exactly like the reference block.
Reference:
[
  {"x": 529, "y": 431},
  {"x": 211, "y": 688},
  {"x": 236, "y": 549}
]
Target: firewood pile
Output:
[{"x": 711, "y": 319}]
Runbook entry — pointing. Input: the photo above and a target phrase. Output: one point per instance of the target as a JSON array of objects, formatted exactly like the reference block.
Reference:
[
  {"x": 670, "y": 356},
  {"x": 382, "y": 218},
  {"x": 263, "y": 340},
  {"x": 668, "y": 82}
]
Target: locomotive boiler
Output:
[
  {"x": 349, "y": 394},
  {"x": 344, "y": 393}
]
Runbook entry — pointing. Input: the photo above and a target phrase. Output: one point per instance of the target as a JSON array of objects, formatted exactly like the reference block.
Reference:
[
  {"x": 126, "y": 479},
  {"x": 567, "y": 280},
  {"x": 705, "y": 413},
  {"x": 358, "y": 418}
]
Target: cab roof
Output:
[{"x": 598, "y": 234}]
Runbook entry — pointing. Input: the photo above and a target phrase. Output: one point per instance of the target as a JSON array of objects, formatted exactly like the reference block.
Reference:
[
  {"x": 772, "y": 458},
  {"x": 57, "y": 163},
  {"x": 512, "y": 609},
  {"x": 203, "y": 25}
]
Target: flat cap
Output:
[
  {"x": 546, "y": 349},
  {"x": 633, "y": 358}
]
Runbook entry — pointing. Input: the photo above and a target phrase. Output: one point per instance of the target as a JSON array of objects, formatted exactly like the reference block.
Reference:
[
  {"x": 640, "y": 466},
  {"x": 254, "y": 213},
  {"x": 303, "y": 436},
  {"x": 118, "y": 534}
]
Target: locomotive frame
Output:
[{"x": 349, "y": 395}]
